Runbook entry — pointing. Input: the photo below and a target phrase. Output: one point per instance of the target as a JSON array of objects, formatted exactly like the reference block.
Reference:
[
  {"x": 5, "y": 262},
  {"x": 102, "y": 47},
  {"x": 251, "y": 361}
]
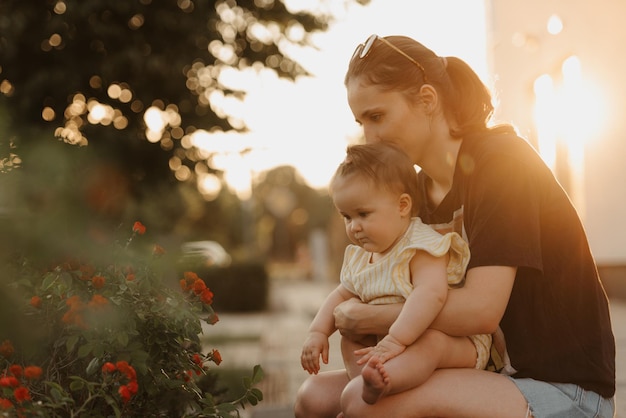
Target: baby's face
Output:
[{"x": 373, "y": 217}]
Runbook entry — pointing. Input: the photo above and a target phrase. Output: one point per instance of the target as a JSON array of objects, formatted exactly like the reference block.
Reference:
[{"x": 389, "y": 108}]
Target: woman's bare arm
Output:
[
  {"x": 478, "y": 306},
  {"x": 473, "y": 309}
]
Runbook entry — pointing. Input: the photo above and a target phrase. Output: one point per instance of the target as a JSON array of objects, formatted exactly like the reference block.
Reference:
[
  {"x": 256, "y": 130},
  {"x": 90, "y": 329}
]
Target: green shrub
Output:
[{"x": 110, "y": 338}]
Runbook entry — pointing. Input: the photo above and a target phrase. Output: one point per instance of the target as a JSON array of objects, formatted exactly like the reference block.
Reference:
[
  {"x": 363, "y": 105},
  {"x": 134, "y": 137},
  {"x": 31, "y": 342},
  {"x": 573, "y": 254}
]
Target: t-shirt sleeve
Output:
[{"x": 502, "y": 214}]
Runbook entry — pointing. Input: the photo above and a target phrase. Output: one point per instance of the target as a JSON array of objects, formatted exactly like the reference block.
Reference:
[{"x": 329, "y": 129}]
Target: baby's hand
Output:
[
  {"x": 315, "y": 345},
  {"x": 386, "y": 349}
]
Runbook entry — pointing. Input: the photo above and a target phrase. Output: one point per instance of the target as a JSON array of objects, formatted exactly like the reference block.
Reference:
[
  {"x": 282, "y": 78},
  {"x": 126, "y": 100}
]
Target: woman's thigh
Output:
[{"x": 455, "y": 393}]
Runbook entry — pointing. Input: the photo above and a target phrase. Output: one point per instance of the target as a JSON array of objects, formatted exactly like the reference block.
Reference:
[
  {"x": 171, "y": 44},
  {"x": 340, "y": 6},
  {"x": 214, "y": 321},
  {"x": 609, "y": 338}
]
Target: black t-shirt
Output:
[{"x": 512, "y": 211}]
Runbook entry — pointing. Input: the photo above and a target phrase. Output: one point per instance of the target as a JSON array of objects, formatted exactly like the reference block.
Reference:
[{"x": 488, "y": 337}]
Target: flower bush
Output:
[{"x": 112, "y": 337}]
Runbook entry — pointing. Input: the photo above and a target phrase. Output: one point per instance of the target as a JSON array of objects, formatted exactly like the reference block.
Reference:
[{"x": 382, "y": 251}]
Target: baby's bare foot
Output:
[{"x": 375, "y": 381}]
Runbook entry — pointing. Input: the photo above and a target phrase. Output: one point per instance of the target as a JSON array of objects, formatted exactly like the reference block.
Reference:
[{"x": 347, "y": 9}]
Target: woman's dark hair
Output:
[
  {"x": 465, "y": 99},
  {"x": 385, "y": 165}
]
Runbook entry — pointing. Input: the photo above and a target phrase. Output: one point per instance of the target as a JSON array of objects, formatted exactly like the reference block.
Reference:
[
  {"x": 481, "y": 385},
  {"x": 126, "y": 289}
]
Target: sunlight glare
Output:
[
  {"x": 239, "y": 176},
  {"x": 545, "y": 102},
  {"x": 209, "y": 185},
  {"x": 154, "y": 120},
  {"x": 307, "y": 123},
  {"x": 572, "y": 113},
  {"x": 555, "y": 25}
]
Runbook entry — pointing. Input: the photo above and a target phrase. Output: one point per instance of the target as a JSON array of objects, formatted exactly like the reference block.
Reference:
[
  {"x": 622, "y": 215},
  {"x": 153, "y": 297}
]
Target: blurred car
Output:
[{"x": 205, "y": 253}]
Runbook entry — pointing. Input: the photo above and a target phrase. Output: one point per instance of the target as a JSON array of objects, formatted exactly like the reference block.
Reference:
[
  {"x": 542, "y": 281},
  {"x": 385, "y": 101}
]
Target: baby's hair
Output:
[{"x": 384, "y": 165}]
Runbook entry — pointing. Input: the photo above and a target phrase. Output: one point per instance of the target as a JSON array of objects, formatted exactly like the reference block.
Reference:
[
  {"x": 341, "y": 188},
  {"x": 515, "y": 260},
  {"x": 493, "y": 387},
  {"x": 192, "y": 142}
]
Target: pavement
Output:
[{"x": 274, "y": 339}]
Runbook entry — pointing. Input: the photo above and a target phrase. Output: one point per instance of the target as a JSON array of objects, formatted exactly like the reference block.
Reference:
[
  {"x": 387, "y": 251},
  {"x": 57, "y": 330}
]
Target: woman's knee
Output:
[
  {"x": 305, "y": 398},
  {"x": 318, "y": 396}
]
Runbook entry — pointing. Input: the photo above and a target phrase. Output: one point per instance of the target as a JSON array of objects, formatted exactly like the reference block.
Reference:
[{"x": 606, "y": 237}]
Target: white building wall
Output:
[{"x": 521, "y": 49}]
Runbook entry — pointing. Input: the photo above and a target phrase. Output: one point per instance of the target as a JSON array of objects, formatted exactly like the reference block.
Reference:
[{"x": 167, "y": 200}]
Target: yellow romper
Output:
[{"x": 388, "y": 280}]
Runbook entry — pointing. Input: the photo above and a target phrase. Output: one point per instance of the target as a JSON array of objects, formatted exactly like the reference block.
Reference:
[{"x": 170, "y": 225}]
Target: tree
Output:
[{"x": 98, "y": 72}]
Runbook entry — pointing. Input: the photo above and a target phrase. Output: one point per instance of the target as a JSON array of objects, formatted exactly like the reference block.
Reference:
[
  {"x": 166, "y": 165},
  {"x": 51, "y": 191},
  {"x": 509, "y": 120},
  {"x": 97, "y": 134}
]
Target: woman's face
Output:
[{"x": 389, "y": 116}]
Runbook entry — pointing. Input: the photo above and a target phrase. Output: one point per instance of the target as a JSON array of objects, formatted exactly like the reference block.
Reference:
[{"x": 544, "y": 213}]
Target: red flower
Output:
[
  {"x": 133, "y": 387},
  {"x": 98, "y": 301},
  {"x": 108, "y": 367},
  {"x": 213, "y": 319},
  {"x": 197, "y": 359},
  {"x": 5, "y": 404},
  {"x": 191, "y": 277},
  {"x": 216, "y": 357},
  {"x": 32, "y": 372},
  {"x": 158, "y": 250},
  {"x": 198, "y": 286},
  {"x": 98, "y": 281},
  {"x": 183, "y": 284},
  {"x": 127, "y": 369},
  {"x": 21, "y": 394},
  {"x": 74, "y": 302},
  {"x": 9, "y": 382},
  {"x": 16, "y": 370},
  {"x": 130, "y": 277},
  {"x": 124, "y": 393},
  {"x": 139, "y": 228},
  {"x": 87, "y": 271},
  {"x": 6, "y": 349},
  {"x": 35, "y": 302},
  {"x": 206, "y": 296},
  {"x": 68, "y": 317}
]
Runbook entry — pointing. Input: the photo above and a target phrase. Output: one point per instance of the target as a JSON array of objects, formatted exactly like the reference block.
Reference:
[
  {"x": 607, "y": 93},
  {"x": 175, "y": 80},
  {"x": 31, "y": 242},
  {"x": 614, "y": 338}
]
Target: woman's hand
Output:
[{"x": 354, "y": 319}]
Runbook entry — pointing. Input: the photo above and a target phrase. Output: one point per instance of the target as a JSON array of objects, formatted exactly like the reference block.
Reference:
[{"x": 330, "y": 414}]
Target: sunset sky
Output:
[{"x": 308, "y": 124}]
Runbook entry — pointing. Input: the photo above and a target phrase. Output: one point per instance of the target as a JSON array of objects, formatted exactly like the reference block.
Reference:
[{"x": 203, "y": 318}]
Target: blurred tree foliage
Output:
[
  {"x": 288, "y": 210},
  {"x": 86, "y": 71}
]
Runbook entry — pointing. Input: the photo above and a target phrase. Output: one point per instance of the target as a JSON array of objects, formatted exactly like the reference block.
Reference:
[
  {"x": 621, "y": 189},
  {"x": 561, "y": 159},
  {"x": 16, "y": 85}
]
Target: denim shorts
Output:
[{"x": 563, "y": 400}]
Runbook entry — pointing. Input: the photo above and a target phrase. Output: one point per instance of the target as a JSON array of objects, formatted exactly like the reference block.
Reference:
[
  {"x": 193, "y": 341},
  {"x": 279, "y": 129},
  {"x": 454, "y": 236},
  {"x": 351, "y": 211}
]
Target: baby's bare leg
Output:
[{"x": 433, "y": 350}]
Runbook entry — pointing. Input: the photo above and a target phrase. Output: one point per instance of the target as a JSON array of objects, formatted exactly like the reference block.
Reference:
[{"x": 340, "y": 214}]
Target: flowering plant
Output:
[{"x": 114, "y": 338}]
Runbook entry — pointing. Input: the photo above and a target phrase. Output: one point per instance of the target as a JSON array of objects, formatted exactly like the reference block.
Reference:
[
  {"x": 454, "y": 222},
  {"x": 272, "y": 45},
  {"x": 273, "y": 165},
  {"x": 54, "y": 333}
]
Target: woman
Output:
[{"x": 531, "y": 270}]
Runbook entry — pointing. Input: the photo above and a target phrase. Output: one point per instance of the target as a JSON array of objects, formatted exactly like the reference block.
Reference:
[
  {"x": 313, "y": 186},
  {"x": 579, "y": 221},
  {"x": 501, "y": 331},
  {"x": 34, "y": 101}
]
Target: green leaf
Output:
[
  {"x": 71, "y": 342},
  {"x": 113, "y": 404},
  {"x": 98, "y": 350},
  {"x": 116, "y": 300},
  {"x": 66, "y": 280},
  {"x": 257, "y": 393},
  {"x": 122, "y": 338},
  {"x": 48, "y": 281},
  {"x": 257, "y": 374},
  {"x": 93, "y": 366},
  {"x": 56, "y": 391},
  {"x": 77, "y": 385},
  {"x": 56, "y": 394},
  {"x": 84, "y": 350}
]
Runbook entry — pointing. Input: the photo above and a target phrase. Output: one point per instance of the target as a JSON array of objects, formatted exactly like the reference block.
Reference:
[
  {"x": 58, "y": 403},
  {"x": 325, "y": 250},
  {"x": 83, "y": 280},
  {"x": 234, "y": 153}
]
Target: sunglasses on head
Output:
[{"x": 362, "y": 51}]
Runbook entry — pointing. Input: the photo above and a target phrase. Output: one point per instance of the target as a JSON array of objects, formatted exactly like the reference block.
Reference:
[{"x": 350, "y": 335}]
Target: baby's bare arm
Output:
[
  {"x": 323, "y": 326},
  {"x": 430, "y": 290}
]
